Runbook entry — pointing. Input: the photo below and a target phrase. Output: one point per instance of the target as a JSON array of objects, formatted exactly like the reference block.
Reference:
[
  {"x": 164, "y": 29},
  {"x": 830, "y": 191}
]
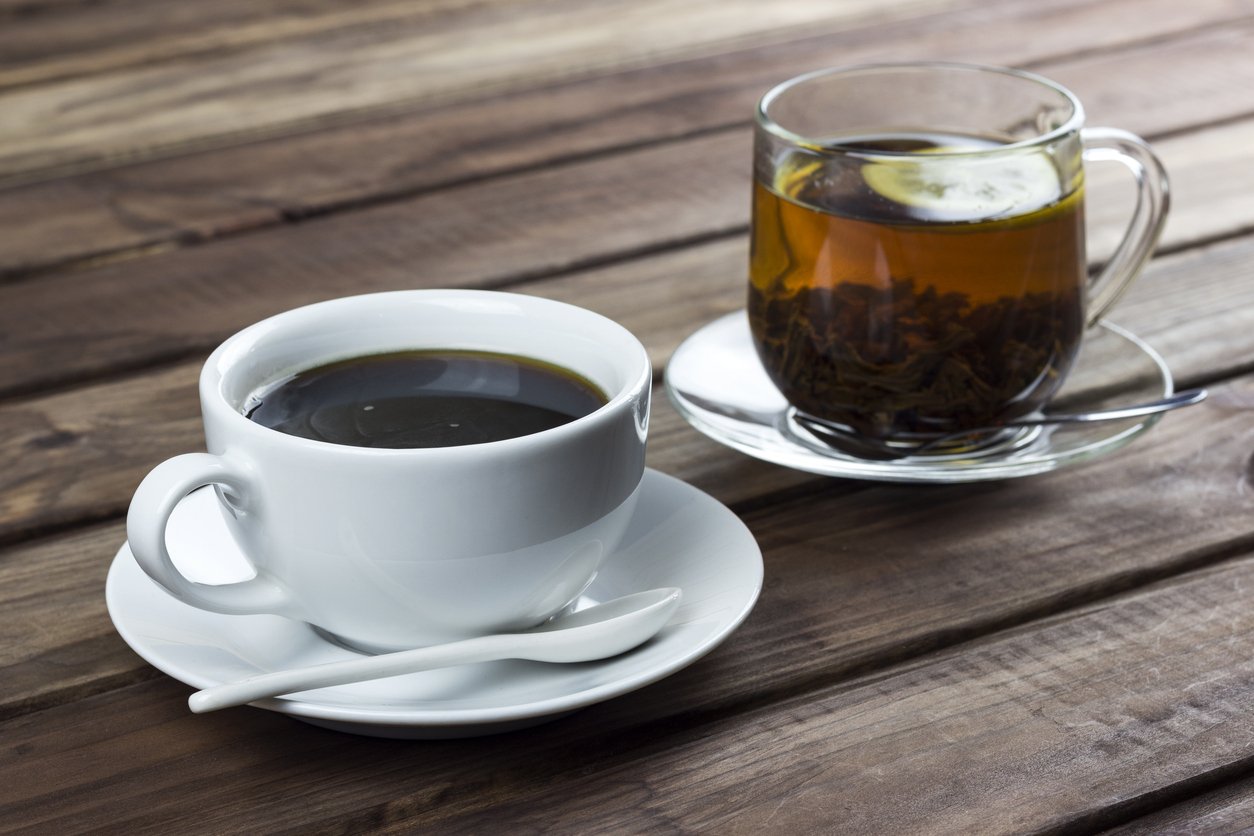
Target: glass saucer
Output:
[{"x": 718, "y": 385}]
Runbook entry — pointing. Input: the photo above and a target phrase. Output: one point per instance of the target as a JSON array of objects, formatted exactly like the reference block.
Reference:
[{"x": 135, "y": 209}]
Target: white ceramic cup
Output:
[{"x": 387, "y": 548}]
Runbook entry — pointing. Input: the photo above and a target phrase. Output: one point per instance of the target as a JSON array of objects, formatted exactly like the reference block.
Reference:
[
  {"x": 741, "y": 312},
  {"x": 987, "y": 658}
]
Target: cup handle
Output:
[
  {"x": 1112, "y": 144},
  {"x": 146, "y": 521}
]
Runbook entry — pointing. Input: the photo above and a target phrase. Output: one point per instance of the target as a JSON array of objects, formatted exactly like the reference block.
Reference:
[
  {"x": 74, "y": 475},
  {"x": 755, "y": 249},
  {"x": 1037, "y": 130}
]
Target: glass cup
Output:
[{"x": 918, "y": 263}]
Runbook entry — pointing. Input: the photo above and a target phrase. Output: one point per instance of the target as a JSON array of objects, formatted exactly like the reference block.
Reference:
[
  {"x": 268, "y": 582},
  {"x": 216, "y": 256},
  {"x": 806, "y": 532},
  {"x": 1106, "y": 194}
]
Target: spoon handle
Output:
[
  {"x": 1140, "y": 410},
  {"x": 843, "y": 438},
  {"x": 1179, "y": 399},
  {"x": 596, "y": 632},
  {"x": 481, "y": 649}
]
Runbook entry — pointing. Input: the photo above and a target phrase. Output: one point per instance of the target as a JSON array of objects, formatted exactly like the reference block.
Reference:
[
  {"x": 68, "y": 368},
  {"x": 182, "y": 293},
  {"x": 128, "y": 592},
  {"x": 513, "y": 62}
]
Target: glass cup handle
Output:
[
  {"x": 150, "y": 510},
  {"x": 1112, "y": 144}
]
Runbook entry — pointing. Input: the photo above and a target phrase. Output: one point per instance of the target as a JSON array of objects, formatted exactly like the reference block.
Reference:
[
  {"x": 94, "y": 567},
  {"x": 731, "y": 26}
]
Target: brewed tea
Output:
[
  {"x": 917, "y": 292},
  {"x": 414, "y": 399}
]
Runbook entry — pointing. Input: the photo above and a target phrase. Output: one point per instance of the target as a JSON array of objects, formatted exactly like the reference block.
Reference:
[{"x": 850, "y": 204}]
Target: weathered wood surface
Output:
[
  {"x": 195, "y": 196},
  {"x": 1229, "y": 809},
  {"x": 62, "y": 328},
  {"x": 409, "y": 56},
  {"x": 1196, "y": 305},
  {"x": 1066, "y": 653},
  {"x": 833, "y": 540},
  {"x": 1073, "y": 700},
  {"x": 500, "y": 231},
  {"x": 1045, "y": 723}
]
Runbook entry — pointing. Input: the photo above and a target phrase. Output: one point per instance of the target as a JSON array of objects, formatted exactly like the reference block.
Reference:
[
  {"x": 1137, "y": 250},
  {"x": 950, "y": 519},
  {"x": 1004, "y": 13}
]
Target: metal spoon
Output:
[
  {"x": 596, "y": 632},
  {"x": 839, "y": 436}
]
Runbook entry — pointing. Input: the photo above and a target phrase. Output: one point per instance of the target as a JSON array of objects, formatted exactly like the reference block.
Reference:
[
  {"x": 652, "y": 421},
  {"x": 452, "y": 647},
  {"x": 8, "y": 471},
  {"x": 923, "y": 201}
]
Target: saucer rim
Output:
[
  {"x": 796, "y": 456},
  {"x": 345, "y": 717}
]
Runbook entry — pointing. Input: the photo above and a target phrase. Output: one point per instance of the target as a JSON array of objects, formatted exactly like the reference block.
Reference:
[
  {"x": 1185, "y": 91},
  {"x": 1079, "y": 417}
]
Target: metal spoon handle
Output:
[
  {"x": 1186, "y": 398},
  {"x": 842, "y": 438},
  {"x": 1179, "y": 399}
]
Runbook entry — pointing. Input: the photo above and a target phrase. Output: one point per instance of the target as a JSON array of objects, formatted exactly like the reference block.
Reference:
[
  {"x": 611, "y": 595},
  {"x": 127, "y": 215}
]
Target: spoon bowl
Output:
[{"x": 596, "y": 632}]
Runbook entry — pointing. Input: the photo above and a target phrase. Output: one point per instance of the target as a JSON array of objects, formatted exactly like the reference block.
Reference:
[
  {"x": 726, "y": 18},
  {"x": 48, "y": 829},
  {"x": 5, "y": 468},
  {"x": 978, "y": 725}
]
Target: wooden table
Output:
[{"x": 1069, "y": 652}]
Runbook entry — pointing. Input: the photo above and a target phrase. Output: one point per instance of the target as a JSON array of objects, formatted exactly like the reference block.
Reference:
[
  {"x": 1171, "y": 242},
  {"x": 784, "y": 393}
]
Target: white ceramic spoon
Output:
[{"x": 596, "y": 632}]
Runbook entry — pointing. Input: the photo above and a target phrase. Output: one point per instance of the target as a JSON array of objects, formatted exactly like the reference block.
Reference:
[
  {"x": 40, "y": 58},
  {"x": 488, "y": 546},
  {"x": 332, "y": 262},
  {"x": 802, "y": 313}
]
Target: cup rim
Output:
[
  {"x": 213, "y": 374},
  {"x": 1073, "y": 123}
]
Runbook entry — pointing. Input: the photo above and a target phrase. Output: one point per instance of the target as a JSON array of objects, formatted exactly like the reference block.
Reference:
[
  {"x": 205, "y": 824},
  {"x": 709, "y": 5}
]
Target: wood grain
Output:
[
  {"x": 78, "y": 456},
  {"x": 57, "y": 644},
  {"x": 1197, "y": 305},
  {"x": 65, "y": 328},
  {"x": 1209, "y": 180},
  {"x": 102, "y": 36},
  {"x": 482, "y": 235},
  {"x": 978, "y": 556},
  {"x": 1049, "y": 723},
  {"x": 1067, "y": 724},
  {"x": 87, "y": 429},
  {"x": 208, "y": 98},
  {"x": 1216, "y": 59},
  {"x": 172, "y": 202},
  {"x": 1066, "y": 653},
  {"x": 1229, "y": 809}
]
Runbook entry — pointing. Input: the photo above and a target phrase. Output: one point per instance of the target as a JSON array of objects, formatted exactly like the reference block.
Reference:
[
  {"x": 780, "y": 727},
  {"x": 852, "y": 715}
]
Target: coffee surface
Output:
[
  {"x": 416, "y": 399},
  {"x": 919, "y": 295}
]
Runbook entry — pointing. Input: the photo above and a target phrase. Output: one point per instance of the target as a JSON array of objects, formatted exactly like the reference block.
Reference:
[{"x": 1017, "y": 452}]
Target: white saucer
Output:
[
  {"x": 678, "y": 536},
  {"x": 718, "y": 384}
]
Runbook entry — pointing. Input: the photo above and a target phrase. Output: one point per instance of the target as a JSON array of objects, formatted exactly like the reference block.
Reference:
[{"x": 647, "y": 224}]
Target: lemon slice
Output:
[{"x": 967, "y": 188}]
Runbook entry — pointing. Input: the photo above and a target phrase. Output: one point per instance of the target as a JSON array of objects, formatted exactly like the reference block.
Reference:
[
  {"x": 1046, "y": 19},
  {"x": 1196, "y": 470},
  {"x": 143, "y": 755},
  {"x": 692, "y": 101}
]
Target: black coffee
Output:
[{"x": 412, "y": 399}]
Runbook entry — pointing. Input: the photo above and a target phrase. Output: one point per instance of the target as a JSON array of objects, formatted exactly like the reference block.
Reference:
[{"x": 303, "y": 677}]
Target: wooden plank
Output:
[
  {"x": 59, "y": 643},
  {"x": 152, "y": 417},
  {"x": 1077, "y": 722},
  {"x": 1196, "y": 305},
  {"x": 1211, "y": 175},
  {"x": 24, "y": 9},
  {"x": 1167, "y": 318},
  {"x": 488, "y": 234},
  {"x": 78, "y": 456},
  {"x": 210, "y": 97},
  {"x": 96, "y": 37},
  {"x": 1075, "y": 714},
  {"x": 1229, "y": 809},
  {"x": 1204, "y": 64},
  {"x": 202, "y": 195},
  {"x": 481, "y": 235},
  {"x": 94, "y": 445},
  {"x": 1065, "y": 724}
]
